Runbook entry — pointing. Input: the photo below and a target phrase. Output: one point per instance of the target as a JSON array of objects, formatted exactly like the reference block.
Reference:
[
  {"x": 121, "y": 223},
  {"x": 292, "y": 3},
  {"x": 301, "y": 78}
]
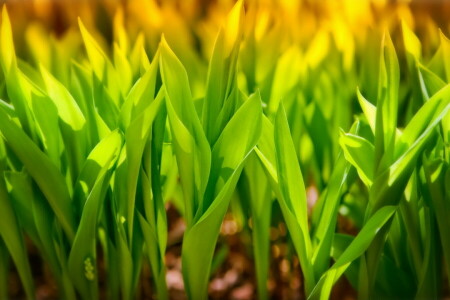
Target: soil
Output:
[{"x": 233, "y": 279}]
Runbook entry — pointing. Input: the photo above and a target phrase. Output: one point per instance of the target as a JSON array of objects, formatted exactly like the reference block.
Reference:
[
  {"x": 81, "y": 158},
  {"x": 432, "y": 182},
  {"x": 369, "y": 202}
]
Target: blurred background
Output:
[{"x": 190, "y": 26}]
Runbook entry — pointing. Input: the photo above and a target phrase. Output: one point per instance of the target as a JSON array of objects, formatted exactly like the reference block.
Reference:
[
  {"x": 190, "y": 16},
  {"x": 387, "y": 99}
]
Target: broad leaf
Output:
[
  {"x": 189, "y": 141},
  {"x": 44, "y": 172},
  {"x": 361, "y": 154}
]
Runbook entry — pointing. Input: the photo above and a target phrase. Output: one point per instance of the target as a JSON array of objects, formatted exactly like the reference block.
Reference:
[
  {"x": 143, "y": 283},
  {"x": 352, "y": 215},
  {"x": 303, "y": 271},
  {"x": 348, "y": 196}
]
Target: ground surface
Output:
[{"x": 233, "y": 279}]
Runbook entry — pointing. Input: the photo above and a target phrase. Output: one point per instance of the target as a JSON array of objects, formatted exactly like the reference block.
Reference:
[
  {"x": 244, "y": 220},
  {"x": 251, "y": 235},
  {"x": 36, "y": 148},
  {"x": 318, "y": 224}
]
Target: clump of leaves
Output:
[{"x": 93, "y": 147}]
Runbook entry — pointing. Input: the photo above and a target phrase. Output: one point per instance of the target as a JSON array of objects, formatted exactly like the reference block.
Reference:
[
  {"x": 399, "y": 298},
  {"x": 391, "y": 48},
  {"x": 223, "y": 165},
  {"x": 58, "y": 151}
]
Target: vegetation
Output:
[{"x": 263, "y": 119}]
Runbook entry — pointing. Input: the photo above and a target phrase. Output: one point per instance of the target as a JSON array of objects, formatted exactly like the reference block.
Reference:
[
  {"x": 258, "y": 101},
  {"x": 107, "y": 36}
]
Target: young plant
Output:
[
  {"x": 394, "y": 155},
  {"x": 208, "y": 173}
]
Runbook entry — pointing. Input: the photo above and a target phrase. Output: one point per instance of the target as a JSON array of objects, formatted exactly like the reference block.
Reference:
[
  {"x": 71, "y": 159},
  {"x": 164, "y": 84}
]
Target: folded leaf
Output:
[
  {"x": 45, "y": 174},
  {"x": 82, "y": 259},
  {"x": 136, "y": 136},
  {"x": 189, "y": 141},
  {"x": 356, "y": 248},
  {"x": 325, "y": 232},
  {"x": 222, "y": 71},
  {"x": 236, "y": 140},
  {"x": 361, "y": 154},
  {"x": 102, "y": 66},
  {"x": 387, "y": 103},
  {"x": 293, "y": 202},
  {"x": 228, "y": 156},
  {"x": 68, "y": 109}
]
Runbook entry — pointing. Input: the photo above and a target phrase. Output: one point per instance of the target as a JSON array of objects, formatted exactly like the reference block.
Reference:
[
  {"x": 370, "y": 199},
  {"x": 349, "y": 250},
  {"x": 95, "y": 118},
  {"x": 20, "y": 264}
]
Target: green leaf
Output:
[
  {"x": 387, "y": 103},
  {"x": 228, "y": 156},
  {"x": 137, "y": 55},
  {"x": 81, "y": 87},
  {"x": 412, "y": 43},
  {"x": 143, "y": 90},
  {"x": 38, "y": 220},
  {"x": 361, "y": 154},
  {"x": 290, "y": 62},
  {"x": 428, "y": 285},
  {"x": 222, "y": 71},
  {"x": 51, "y": 240},
  {"x": 236, "y": 140},
  {"x": 413, "y": 49},
  {"x": 293, "y": 201},
  {"x": 126, "y": 263},
  {"x": 438, "y": 182},
  {"x": 21, "y": 192},
  {"x": 73, "y": 121},
  {"x": 189, "y": 141},
  {"x": 68, "y": 109},
  {"x": 18, "y": 90},
  {"x": 369, "y": 110},
  {"x": 289, "y": 173},
  {"x": 418, "y": 131},
  {"x": 12, "y": 236},
  {"x": 103, "y": 69},
  {"x": 357, "y": 247},
  {"x": 156, "y": 260},
  {"x": 45, "y": 174},
  {"x": 266, "y": 151},
  {"x": 340, "y": 244},
  {"x": 258, "y": 192},
  {"x": 155, "y": 242},
  {"x": 324, "y": 234},
  {"x": 104, "y": 103},
  {"x": 8, "y": 55},
  {"x": 156, "y": 213},
  {"x": 445, "y": 46},
  {"x": 82, "y": 259},
  {"x": 154, "y": 224},
  {"x": 136, "y": 137},
  {"x": 95, "y": 164},
  {"x": 46, "y": 116},
  {"x": 200, "y": 239},
  {"x": 430, "y": 82},
  {"x": 123, "y": 68}
]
